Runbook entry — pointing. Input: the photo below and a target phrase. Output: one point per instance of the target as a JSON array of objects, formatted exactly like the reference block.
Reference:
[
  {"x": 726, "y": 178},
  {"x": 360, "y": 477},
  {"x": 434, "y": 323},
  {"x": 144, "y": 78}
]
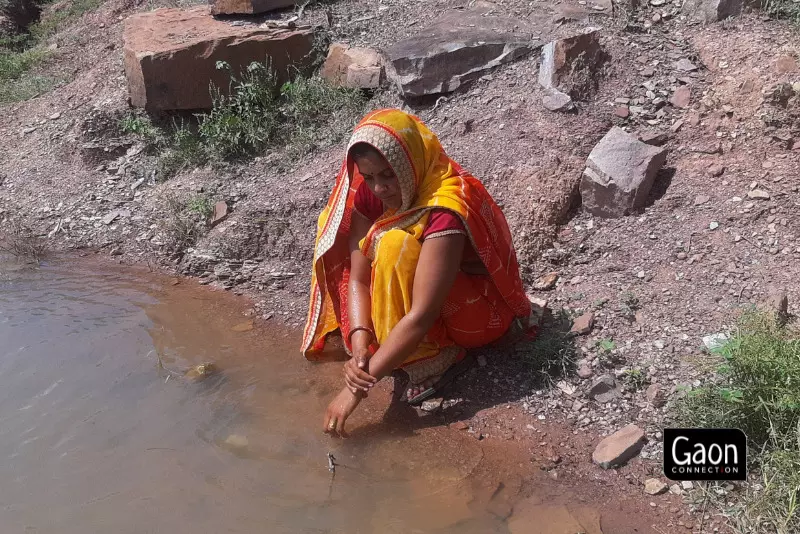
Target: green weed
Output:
[
  {"x": 783, "y": 9},
  {"x": 57, "y": 19},
  {"x": 16, "y": 59},
  {"x": 758, "y": 391},
  {"x": 635, "y": 379},
  {"x": 140, "y": 126},
  {"x": 553, "y": 353},
  {"x": 185, "y": 150},
  {"x": 201, "y": 205}
]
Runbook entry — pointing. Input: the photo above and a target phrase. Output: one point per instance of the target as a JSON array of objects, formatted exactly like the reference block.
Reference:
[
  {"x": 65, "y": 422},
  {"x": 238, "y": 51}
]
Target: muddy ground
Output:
[{"x": 657, "y": 281}]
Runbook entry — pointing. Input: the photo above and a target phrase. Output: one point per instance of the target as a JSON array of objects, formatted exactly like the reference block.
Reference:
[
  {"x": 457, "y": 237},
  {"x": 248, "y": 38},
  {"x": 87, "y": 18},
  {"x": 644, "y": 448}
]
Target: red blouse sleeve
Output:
[
  {"x": 367, "y": 204},
  {"x": 443, "y": 222}
]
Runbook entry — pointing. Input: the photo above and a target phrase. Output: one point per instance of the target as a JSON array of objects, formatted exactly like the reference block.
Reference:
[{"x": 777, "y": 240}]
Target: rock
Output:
[
  {"x": 545, "y": 282},
  {"x": 243, "y": 327},
  {"x": 622, "y": 112},
  {"x": 712, "y": 10},
  {"x": 220, "y": 213},
  {"x": 247, "y": 7},
  {"x": 555, "y": 100},
  {"x": 786, "y": 65},
  {"x": 236, "y": 441},
  {"x": 716, "y": 170},
  {"x": 583, "y": 324},
  {"x": 110, "y": 217},
  {"x": 481, "y": 360},
  {"x": 567, "y": 64},
  {"x": 653, "y": 138},
  {"x": 687, "y": 485},
  {"x": 55, "y": 116},
  {"x": 681, "y": 97},
  {"x": 170, "y": 55},
  {"x": 585, "y": 371},
  {"x": 653, "y": 486},
  {"x": 758, "y": 194},
  {"x": 675, "y": 489},
  {"x": 699, "y": 200},
  {"x": 454, "y": 51},
  {"x": 432, "y": 405},
  {"x": 459, "y": 425},
  {"x": 655, "y": 395},
  {"x": 604, "y": 389},
  {"x": 354, "y": 68},
  {"x": 713, "y": 225},
  {"x": 619, "y": 174},
  {"x": 777, "y": 303},
  {"x": 618, "y": 448},
  {"x": 715, "y": 341},
  {"x": 685, "y": 65}
]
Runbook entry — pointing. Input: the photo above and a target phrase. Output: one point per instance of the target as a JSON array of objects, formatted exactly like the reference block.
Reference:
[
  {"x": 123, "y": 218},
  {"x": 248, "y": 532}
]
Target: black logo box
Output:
[{"x": 705, "y": 454}]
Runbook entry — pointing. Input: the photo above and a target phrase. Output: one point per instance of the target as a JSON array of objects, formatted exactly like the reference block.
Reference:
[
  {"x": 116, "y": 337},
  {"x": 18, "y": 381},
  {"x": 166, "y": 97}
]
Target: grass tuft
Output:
[{"x": 759, "y": 392}]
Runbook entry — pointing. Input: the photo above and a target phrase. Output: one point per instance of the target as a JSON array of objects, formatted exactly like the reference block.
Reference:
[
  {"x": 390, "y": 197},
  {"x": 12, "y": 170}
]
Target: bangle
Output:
[{"x": 356, "y": 329}]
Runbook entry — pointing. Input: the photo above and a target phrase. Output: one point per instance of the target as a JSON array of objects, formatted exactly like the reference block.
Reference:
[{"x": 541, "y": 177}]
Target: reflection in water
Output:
[{"x": 96, "y": 438}]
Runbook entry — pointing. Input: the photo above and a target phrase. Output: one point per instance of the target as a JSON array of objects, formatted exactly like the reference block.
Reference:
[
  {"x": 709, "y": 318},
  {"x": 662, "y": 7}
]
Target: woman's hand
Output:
[
  {"x": 355, "y": 375},
  {"x": 339, "y": 410}
]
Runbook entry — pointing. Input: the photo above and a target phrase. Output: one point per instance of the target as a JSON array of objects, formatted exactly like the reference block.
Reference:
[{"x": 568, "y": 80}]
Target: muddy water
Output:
[{"x": 96, "y": 437}]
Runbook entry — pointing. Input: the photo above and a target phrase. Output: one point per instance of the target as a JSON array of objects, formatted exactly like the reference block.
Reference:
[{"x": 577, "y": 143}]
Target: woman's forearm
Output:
[{"x": 401, "y": 342}]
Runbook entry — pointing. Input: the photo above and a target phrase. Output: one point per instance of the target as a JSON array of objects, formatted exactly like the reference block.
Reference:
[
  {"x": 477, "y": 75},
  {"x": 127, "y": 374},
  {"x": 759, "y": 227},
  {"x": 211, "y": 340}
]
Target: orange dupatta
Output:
[{"x": 428, "y": 179}]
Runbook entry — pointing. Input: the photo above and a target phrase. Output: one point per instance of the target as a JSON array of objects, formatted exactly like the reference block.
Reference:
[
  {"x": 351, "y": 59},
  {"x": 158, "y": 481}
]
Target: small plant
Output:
[
  {"x": 56, "y": 19},
  {"x": 17, "y": 57},
  {"x": 605, "y": 346},
  {"x": 182, "y": 227},
  {"x": 635, "y": 379},
  {"x": 185, "y": 150},
  {"x": 757, "y": 391},
  {"x": 201, "y": 205},
  {"x": 553, "y": 353},
  {"x": 18, "y": 240},
  {"x": 140, "y": 126},
  {"x": 783, "y": 9}
]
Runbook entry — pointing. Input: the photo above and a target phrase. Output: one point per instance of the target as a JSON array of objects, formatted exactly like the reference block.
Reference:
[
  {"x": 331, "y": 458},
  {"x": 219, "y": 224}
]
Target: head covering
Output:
[{"x": 428, "y": 179}]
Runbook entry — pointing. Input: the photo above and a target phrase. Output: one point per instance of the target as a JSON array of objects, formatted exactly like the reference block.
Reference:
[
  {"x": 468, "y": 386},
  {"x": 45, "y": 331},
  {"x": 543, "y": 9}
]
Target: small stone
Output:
[
  {"x": 220, "y": 213},
  {"x": 648, "y": 72},
  {"x": 137, "y": 184},
  {"x": 557, "y": 101},
  {"x": 675, "y": 489},
  {"x": 55, "y": 116},
  {"x": 585, "y": 371},
  {"x": 243, "y": 327},
  {"x": 687, "y": 485},
  {"x": 786, "y": 65},
  {"x": 655, "y": 395},
  {"x": 604, "y": 389},
  {"x": 653, "y": 486},
  {"x": 716, "y": 170},
  {"x": 715, "y": 341},
  {"x": 701, "y": 199},
  {"x": 682, "y": 255},
  {"x": 777, "y": 303},
  {"x": 481, "y": 360},
  {"x": 685, "y": 65},
  {"x": 583, "y": 325},
  {"x": 237, "y": 441},
  {"x": 110, "y": 217},
  {"x": 681, "y": 97},
  {"x": 545, "y": 282},
  {"x": 713, "y": 225},
  {"x": 758, "y": 194},
  {"x": 622, "y": 112},
  {"x": 432, "y": 405},
  {"x": 618, "y": 448},
  {"x": 640, "y": 274},
  {"x": 459, "y": 425},
  {"x": 659, "y": 344},
  {"x": 27, "y": 131}
]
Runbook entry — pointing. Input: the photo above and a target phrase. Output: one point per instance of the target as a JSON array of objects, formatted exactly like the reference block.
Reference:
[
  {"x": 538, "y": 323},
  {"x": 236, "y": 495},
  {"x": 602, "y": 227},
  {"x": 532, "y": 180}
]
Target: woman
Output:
[{"x": 413, "y": 263}]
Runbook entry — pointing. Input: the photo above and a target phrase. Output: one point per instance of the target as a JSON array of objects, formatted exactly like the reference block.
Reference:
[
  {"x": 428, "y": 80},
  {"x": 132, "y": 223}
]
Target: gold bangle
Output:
[{"x": 356, "y": 329}]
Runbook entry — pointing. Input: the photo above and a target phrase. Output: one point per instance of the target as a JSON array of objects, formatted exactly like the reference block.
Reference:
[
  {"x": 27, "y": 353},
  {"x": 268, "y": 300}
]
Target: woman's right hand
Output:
[{"x": 355, "y": 374}]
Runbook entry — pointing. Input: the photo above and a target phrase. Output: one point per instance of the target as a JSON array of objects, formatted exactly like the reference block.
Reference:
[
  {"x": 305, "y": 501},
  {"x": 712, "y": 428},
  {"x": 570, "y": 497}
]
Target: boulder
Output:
[
  {"x": 247, "y": 7},
  {"x": 355, "y": 68},
  {"x": 171, "y": 55},
  {"x": 563, "y": 58},
  {"x": 619, "y": 447},
  {"x": 221, "y": 211},
  {"x": 712, "y": 10},
  {"x": 619, "y": 174},
  {"x": 455, "y": 50}
]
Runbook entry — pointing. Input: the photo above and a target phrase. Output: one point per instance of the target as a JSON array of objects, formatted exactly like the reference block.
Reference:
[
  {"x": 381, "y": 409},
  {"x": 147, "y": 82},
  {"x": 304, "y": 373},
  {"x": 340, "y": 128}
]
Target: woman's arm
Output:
[
  {"x": 359, "y": 308},
  {"x": 436, "y": 272}
]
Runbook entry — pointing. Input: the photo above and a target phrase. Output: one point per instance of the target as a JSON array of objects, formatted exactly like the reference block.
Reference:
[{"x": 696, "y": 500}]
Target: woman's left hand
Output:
[{"x": 339, "y": 410}]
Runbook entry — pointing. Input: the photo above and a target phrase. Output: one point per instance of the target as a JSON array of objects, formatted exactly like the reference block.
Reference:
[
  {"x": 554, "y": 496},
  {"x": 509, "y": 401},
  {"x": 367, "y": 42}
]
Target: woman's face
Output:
[{"x": 380, "y": 179}]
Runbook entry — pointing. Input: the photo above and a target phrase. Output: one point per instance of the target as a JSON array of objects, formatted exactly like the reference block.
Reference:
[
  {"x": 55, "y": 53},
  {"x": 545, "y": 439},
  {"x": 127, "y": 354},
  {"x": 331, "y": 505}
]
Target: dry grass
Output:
[{"x": 18, "y": 240}]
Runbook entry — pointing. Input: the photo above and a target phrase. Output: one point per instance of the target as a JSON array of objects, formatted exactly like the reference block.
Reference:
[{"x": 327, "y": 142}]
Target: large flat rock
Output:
[
  {"x": 712, "y": 10},
  {"x": 455, "y": 50},
  {"x": 247, "y": 7},
  {"x": 171, "y": 55}
]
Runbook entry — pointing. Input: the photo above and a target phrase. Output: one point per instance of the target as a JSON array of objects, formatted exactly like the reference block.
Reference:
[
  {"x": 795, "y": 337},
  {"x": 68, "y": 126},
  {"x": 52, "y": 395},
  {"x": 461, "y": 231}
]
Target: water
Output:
[{"x": 95, "y": 437}]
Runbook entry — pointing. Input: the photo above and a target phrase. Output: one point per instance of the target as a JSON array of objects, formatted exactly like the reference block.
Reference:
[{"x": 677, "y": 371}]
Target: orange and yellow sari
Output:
[{"x": 480, "y": 308}]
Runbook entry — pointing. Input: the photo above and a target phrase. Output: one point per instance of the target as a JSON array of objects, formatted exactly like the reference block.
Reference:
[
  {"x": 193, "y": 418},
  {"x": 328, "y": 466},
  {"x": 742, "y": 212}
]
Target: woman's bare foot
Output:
[{"x": 415, "y": 390}]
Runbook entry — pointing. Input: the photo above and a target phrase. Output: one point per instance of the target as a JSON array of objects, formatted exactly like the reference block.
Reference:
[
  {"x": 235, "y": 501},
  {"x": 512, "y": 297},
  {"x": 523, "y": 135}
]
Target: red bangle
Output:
[{"x": 356, "y": 329}]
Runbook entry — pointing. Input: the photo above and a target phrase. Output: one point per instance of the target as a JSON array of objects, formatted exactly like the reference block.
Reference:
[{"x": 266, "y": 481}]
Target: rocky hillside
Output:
[{"x": 645, "y": 155}]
